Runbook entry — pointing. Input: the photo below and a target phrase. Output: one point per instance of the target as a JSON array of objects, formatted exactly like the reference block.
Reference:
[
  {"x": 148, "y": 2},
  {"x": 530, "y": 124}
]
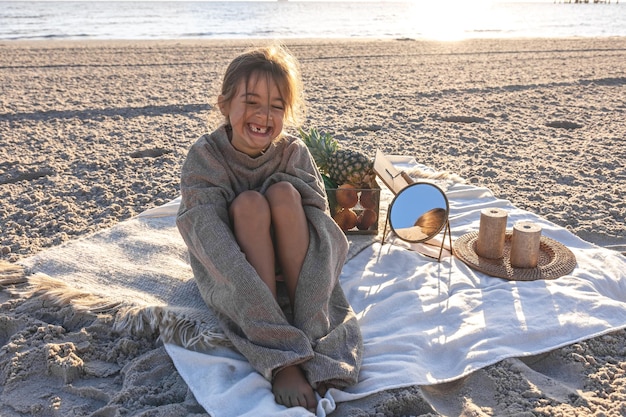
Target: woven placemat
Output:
[{"x": 555, "y": 259}]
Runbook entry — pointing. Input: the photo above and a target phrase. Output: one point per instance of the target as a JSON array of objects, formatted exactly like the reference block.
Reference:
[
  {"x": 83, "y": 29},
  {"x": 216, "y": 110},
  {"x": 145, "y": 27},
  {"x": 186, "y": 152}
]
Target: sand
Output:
[{"x": 93, "y": 133}]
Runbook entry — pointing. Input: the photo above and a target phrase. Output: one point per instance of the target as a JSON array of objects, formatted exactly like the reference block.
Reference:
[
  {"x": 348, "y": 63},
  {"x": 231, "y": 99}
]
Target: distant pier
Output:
[{"x": 586, "y": 1}]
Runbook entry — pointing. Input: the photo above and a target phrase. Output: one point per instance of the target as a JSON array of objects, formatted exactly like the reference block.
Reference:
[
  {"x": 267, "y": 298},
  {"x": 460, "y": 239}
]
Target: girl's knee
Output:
[
  {"x": 283, "y": 193},
  {"x": 249, "y": 205}
]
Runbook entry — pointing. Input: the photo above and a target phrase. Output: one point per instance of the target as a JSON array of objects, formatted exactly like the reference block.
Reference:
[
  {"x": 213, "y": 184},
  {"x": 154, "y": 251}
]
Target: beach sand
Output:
[{"x": 93, "y": 133}]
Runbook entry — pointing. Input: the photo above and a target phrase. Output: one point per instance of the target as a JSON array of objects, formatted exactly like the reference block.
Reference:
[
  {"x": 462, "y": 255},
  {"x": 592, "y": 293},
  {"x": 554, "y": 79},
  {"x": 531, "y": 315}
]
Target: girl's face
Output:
[{"x": 256, "y": 114}]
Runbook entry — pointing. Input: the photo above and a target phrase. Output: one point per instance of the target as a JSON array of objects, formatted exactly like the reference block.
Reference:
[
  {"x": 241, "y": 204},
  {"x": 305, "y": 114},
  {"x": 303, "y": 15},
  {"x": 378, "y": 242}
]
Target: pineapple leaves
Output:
[{"x": 342, "y": 166}]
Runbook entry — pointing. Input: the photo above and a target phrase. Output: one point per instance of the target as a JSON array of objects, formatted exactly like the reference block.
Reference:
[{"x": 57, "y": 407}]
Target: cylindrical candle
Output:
[
  {"x": 525, "y": 244},
  {"x": 491, "y": 233}
]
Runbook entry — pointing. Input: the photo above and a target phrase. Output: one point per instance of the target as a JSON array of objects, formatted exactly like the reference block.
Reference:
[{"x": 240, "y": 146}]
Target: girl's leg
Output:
[
  {"x": 338, "y": 343},
  {"x": 291, "y": 232},
  {"x": 290, "y": 386},
  {"x": 251, "y": 219}
]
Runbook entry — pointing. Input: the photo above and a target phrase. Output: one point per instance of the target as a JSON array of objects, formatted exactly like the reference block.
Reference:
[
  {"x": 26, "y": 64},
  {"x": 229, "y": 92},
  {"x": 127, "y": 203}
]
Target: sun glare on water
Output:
[{"x": 447, "y": 20}]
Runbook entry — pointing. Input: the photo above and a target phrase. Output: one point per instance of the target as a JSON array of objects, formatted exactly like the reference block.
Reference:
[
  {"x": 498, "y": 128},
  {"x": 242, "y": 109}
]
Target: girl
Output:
[{"x": 253, "y": 203}]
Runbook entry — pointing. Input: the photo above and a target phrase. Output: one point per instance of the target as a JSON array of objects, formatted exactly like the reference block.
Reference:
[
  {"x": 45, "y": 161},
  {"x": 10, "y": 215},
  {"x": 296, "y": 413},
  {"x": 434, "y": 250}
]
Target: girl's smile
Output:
[{"x": 259, "y": 129}]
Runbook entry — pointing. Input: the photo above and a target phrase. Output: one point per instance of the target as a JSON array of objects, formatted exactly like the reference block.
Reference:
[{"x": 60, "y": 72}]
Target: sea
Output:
[{"x": 283, "y": 20}]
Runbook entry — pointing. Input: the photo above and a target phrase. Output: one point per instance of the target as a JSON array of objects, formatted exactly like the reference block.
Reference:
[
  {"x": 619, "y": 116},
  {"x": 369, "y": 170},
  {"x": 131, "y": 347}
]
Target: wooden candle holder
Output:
[
  {"x": 491, "y": 233},
  {"x": 525, "y": 245}
]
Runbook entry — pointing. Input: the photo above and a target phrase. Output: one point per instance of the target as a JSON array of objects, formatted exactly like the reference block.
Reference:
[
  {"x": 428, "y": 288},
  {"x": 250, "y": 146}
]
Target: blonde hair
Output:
[
  {"x": 432, "y": 221},
  {"x": 279, "y": 65}
]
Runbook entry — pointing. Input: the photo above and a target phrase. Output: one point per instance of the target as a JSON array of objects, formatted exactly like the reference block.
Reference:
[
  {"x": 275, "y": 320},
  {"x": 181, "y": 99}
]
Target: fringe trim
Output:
[
  {"x": 12, "y": 274},
  {"x": 170, "y": 325}
]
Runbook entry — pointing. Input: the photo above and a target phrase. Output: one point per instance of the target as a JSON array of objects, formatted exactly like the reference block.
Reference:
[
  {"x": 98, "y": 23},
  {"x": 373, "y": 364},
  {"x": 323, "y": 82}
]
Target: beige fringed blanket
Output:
[{"x": 136, "y": 272}]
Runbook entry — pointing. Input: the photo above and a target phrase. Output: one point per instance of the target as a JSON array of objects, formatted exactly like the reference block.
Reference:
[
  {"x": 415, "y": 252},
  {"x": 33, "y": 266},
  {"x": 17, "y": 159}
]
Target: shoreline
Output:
[
  {"x": 216, "y": 42},
  {"x": 93, "y": 133},
  {"x": 308, "y": 40}
]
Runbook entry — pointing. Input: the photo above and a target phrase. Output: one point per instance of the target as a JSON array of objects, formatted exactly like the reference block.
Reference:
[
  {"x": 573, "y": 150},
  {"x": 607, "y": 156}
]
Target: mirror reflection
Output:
[{"x": 418, "y": 212}]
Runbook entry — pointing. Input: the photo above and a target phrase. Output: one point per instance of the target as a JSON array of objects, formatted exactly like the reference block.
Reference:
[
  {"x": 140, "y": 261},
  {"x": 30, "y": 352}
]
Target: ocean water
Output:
[{"x": 421, "y": 19}]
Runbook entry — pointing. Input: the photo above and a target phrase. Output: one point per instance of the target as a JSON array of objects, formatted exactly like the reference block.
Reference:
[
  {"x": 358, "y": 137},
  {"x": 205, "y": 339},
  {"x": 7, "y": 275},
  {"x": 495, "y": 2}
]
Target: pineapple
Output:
[{"x": 343, "y": 166}]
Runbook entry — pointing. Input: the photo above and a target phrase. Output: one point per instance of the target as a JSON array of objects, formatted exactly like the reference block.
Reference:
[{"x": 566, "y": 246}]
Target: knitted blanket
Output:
[{"x": 138, "y": 273}]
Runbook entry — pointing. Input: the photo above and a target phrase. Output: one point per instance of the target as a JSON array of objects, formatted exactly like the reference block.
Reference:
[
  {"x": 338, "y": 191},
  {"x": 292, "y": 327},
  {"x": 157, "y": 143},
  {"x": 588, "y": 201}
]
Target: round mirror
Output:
[{"x": 418, "y": 212}]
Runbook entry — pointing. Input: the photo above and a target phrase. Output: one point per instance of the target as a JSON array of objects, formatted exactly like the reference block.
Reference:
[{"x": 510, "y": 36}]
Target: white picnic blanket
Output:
[{"x": 425, "y": 322}]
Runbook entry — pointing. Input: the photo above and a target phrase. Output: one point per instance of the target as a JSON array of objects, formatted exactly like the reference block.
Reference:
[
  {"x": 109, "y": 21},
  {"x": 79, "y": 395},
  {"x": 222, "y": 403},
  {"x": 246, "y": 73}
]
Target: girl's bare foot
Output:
[{"x": 291, "y": 389}]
